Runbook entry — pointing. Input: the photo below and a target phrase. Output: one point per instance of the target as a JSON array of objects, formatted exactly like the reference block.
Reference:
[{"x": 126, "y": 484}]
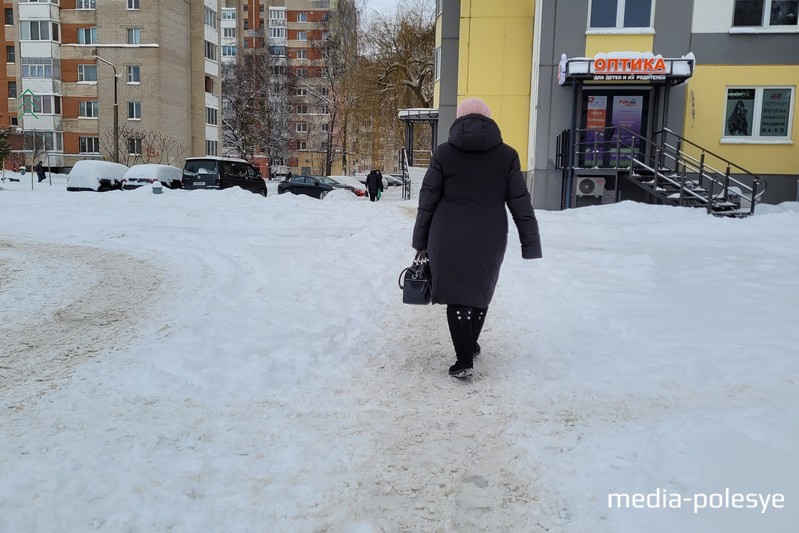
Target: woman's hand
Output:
[{"x": 421, "y": 256}]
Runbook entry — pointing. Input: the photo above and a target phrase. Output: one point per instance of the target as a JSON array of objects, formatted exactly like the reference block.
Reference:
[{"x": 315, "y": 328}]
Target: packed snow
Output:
[{"x": 218, "y": 361}]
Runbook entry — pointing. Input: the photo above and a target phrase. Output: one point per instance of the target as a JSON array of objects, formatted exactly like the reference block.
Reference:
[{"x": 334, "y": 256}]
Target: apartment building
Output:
[
  {"x": 154, "y": 66},
  {"x": 721, "y": 74},
  {"x": 293, "y": 32}
]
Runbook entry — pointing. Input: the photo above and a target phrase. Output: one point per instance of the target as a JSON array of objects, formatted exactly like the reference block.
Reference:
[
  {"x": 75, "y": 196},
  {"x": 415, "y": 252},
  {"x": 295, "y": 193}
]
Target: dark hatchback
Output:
[
  {"x": 315, "y": 186},
  {"x": 221, "y": 173}
]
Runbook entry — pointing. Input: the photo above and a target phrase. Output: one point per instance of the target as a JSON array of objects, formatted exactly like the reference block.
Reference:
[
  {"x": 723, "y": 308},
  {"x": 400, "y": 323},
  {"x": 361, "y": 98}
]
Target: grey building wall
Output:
[{"x": 448, "y": 78}]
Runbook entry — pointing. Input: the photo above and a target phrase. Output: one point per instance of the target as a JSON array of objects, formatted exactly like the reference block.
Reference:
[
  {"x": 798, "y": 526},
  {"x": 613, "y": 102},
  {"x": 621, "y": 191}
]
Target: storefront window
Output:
[
  {"x": 758, "y": 113},
  {"x": 621, "y": 14}
]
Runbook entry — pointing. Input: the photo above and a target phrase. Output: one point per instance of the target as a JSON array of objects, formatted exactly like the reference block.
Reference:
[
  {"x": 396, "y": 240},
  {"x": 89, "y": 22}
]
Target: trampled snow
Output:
[{"x": 218, "y": 361}]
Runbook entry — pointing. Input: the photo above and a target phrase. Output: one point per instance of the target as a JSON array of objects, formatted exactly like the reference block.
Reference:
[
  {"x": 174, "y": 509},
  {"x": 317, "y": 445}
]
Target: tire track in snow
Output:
[{"x": 110, "y": 295}]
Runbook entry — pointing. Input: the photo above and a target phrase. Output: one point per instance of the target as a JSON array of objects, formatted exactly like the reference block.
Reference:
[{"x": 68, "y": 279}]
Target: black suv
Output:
[
  {"x": 315, "y": 186},
  {"x": 211, "y": 172}
]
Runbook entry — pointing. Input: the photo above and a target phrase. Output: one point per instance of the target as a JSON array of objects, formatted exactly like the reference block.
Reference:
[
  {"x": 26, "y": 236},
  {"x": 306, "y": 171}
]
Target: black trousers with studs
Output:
[{"x": 465, "y": 325}]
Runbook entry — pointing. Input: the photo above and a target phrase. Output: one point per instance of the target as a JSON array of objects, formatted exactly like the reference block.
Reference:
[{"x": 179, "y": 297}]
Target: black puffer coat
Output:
[{"x": 461, "y": 219}]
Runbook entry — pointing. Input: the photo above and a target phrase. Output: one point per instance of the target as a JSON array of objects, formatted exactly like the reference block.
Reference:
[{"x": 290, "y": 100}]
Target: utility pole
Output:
[{"x": 116, "y": 107}]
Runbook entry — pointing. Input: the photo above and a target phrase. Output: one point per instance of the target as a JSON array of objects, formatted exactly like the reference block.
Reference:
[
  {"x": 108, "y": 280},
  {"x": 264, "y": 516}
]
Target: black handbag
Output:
[{"x": 415, "y": 282}]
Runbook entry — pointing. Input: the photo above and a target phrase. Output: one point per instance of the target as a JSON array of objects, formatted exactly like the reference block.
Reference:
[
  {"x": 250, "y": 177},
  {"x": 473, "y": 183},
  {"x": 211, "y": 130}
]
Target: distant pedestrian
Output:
[
  {"x": 40, "y": 171},
  {"x": 289, "y": 176},
  {"x": 461, "y": 225},
  {"x": 374, "y": 184}
]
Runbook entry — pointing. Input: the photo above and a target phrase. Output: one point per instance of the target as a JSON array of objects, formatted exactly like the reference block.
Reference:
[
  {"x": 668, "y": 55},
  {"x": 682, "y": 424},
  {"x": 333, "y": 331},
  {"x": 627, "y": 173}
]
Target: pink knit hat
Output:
[{"x": 473, "y": 105}]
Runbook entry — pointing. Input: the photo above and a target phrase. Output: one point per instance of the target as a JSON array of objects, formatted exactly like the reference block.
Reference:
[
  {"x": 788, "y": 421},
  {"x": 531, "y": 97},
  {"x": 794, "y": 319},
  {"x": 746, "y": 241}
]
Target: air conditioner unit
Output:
[{"x": 590, "y": 186}]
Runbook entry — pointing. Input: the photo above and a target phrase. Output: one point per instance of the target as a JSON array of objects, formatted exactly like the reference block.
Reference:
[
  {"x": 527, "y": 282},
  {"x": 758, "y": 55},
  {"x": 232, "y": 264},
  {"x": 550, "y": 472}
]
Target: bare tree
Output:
[
  {"x": 143, "y": 146},
  {"x": 396, "y": 71},
  {"x": 255, "y": 108}
]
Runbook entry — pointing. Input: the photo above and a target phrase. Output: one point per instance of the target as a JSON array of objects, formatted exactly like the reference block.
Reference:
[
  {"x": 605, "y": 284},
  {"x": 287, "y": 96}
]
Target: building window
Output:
[
  {"x": 230, "y": 33},
  {"x": 34, "y": 30},
  {"x": 228, "y": 51},
  {"x": 134, "y": 145},
  {"x": 228, "y": 14},
  {"x": 134, "y": 35},
  {"x": 302, "y": 53},
  {"x": 86, "y": 4},
  {"x": 278, "y": 51},
  {"x": 9, "y": 16},
  {"x": 89, "y": 109},
  {"x": 302, "y": 127},
  {"x": 11, "y": 55},
  {"x": 759, "y": 113},
  {"x": 133, "y": 4},
  {"x": 302, "y": 73},
  {"x": 277, "y": 14},
  {"x": 12, "y": 89},
  {"x": 210, "y": 17},
  {"x": 302, "y": 145},
  {"x": 40, "y": 67},
  {"x": 765, "y": 13},
  {"x": 302, "y": 109},
  {"x": 211, "y": 148},
  {"x": 323, "y": 91},
  {"x": 302, "y": 17},
  {"x": 87, "y": 35},
  {"x": 211, "y": 51},
  {"x": 302, "y": 92},
  {"x": 325, "y": 35},
  {"x": 302, "y": 36},
  {"x": 89, "y": 145},
  {"x": 325, "y": 127},
  {"x": 134, "y": 110},
  {"x": 47, "y": 104},
  {"x": 87, "y": 72},
  {"x": 133, "y": 73},
  {"x": 621, "y": 14},
  {"x": 211, "y": 116},
  {"x": 325, "y": 109},
  {"x": 277, "y": 33}
]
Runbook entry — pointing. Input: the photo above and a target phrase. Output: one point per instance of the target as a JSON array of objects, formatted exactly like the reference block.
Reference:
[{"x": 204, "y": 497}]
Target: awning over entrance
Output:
[
  {"x": 414, "y": 116},
  {"x": 626, "y": 67}
]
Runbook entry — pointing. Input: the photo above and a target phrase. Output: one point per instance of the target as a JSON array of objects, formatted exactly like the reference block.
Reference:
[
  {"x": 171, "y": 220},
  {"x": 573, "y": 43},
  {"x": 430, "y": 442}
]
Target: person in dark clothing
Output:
[
  {"x": 462, "y": 226},
  {"x": 374, "y": 183},
  {"x": 40, "y": 171}
]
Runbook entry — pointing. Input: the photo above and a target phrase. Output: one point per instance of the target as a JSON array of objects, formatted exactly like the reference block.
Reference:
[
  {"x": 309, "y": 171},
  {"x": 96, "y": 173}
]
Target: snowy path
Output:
[{"x": 85, "y": 300}]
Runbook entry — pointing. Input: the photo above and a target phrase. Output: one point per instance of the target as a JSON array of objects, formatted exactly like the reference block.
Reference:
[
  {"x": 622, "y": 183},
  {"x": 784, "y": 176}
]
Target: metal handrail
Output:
[{"x": 649, "y": 147}]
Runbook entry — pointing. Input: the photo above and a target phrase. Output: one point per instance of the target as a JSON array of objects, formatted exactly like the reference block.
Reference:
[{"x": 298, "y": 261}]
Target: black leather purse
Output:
[{"x": 415, "y": 282}]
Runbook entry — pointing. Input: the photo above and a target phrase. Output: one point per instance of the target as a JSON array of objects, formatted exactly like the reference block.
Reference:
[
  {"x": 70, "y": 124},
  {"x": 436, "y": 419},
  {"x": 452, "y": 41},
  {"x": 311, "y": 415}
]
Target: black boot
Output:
[
  {"x": 459, "y": 318},
  {"x": 478, "y": 319}
]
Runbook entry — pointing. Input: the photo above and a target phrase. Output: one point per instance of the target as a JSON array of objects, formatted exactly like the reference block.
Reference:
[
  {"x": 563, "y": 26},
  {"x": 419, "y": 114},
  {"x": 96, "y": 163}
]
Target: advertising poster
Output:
[
  {"x": 776, "y": 112},
  {"x": 596, "y": 119},
  {"x": 628, "y": 112},
  {"x": 740, "y": 112}
]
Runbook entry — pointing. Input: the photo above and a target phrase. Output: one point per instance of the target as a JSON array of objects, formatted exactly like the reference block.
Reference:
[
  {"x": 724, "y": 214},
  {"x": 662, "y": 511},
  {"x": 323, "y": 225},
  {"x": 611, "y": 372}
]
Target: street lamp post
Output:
[{"x": 116, "y": 107}]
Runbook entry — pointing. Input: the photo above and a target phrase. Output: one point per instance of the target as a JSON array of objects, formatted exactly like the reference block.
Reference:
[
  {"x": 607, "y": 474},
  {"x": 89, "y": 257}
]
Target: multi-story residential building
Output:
[
  {"x": 293, "y": 32},
  {"x": 718, "y": 77},
  {"x": 153, "y": 65},
  {"x": 8, "y": 72}
]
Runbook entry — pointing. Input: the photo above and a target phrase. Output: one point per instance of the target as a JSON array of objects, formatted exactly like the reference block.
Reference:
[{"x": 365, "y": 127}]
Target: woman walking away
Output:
[{"x": 462, "y": 226}]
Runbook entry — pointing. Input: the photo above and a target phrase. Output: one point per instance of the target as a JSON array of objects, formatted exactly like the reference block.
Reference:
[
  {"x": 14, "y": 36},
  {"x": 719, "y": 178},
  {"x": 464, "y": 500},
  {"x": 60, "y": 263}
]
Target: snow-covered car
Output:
[
  {"x": 93, "y": 175},
  {"x": 146, "y": 173},
  {"x": 358, "y": 187}
]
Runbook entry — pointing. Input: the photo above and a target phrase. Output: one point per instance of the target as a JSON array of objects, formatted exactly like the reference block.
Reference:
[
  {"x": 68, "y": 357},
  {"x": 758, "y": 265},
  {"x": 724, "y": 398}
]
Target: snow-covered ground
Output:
[{"x": 215, "y": 361}]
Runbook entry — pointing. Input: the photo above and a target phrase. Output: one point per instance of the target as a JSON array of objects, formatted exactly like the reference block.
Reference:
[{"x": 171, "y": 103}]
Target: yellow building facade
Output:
[{"x": 719, "y": 56}]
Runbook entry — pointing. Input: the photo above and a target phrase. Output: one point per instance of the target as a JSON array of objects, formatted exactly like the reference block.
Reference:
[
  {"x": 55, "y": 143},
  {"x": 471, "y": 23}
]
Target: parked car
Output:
[
  {"x": 212, "y": 172},
  {"x": 393, "y": 181},
  {"x": 316, "y": 186},
  {"x": 139, "y": 175},
  {"x": 358, "y": 188},
  {"x": 94, "y": 175}
]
